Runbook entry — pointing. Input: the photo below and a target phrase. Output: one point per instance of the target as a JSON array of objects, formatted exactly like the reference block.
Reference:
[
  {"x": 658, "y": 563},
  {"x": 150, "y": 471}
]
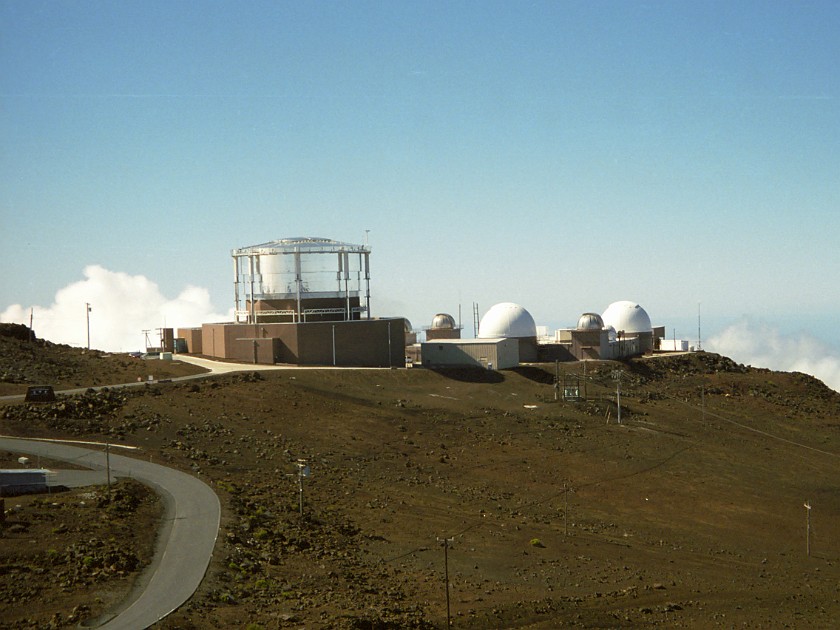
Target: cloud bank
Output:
[
  {"x": 122, "y": 306},
  {"x": 761, "y": 345}
]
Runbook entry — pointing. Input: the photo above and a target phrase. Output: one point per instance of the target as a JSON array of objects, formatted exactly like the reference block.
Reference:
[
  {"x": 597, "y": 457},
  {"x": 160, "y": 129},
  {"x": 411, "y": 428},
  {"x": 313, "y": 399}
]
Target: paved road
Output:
[
  {"x": 223, "y": 367},
  {"x": 213, "y": 367},
  {"x": 185, "y": 544},
  {"x": 191, "y": 518}
]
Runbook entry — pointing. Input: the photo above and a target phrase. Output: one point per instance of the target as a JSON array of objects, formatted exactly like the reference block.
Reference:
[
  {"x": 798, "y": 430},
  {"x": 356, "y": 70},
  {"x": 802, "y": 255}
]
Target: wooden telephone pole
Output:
[
  {"x": 446, "y": 542},
  {"x": 808, "y": 527}
]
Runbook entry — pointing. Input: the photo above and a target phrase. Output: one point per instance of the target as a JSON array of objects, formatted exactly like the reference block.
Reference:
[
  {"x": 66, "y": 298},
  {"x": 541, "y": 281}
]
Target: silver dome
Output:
[
  {"x": 590, "y": 321},
  {"x": 443, "y": 321}
]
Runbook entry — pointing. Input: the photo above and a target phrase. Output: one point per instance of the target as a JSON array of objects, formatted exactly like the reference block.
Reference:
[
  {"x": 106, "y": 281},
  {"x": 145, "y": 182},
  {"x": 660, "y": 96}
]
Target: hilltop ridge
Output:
[
  {"x": 27, "y": 360},
  {"x": 687, "y": 514}
]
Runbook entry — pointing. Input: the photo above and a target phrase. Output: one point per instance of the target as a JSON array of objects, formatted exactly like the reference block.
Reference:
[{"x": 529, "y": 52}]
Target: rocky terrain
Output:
[
  {"x": 543, "y": 512},
  {"x": 70, "y": 556},
  {"x": 27, "y": 360}
]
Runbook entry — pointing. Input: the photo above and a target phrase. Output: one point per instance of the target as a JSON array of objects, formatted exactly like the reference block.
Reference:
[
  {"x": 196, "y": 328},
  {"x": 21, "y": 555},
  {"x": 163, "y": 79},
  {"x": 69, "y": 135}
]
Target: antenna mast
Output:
[
  {"x": 699, "y": 336},
  {"x": 475, "y": 319}
]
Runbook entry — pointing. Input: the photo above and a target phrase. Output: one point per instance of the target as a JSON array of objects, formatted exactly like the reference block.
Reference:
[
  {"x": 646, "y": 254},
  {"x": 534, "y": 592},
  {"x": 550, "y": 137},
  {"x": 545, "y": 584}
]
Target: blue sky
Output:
[{"x": 562, "y": 155}]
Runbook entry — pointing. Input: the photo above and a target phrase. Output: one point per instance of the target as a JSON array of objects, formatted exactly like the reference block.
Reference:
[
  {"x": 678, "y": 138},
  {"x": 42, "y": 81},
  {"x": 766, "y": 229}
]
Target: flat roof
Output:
[{"x": 466, "y": 341}]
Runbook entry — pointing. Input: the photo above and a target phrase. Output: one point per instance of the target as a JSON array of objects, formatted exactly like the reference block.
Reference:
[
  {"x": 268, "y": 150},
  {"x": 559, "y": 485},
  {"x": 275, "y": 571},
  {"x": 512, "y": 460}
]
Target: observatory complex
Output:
[
  {"x": 307, "y": 301},
  {"x": 507, "y": 336}
]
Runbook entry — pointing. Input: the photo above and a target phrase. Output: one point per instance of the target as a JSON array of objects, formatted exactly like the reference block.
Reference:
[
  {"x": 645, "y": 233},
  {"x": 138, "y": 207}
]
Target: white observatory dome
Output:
[
  {"x": 590, "y": 321},
  {"x": 443, "y": 321},
  {"x": 627, "y": 317},
  {"x": 507, "y": 320}
]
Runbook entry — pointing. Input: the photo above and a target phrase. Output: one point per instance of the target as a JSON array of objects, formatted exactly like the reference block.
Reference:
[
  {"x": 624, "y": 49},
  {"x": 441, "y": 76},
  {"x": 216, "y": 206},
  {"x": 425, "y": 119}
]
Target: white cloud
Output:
[
  {"x": 122, "y": 306},
  {"x": 761, "y": 345}
]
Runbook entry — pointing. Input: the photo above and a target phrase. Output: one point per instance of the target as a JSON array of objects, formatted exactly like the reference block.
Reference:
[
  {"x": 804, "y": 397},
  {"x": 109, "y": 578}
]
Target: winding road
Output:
[
  {"x": 185, "y": 545},
  {"x": 191, "y": 520}
]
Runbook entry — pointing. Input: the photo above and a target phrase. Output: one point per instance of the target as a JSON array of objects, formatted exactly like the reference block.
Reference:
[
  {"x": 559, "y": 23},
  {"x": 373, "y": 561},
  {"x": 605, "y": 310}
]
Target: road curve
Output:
[{"x": 186, "y": 541}]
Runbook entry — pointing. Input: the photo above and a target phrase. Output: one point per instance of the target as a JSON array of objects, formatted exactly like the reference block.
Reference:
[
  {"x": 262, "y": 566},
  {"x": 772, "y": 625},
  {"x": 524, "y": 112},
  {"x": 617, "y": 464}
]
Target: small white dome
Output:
[
  {"x": 627, "y": 317},
  {"x": 443, "y": 321},
  {"x": 590, "y": 321},
  {"x": 507, "y": 320}
]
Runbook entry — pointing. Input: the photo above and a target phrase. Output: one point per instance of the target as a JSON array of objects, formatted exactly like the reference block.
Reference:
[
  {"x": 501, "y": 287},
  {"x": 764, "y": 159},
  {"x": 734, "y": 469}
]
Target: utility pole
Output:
[
  {"x": 303, "y": 471},
  {"x": 585, "y": 390},
  {"x": 565, "y": 510},
  {"x": 808, "y": 527},
  {"x": 446, "y": 542},
  {"x": 108, "y": 468},
  {"x": 618, "y": 397},
  {"x": 617, "y": 376},
  {"x": 699, "y": 336},
  {"x": 87, "y": 318}
]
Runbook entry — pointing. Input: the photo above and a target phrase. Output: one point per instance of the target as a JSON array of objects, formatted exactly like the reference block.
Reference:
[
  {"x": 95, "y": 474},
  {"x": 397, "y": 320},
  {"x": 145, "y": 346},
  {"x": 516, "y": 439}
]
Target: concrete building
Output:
[
  {"x": 303, "y": 301},
  {"x": 24, "y": 481},
  {"x": 491, "y": 354},
  {"x": 630, "y": 322},
  {"x": 623, "y": 331},
  {"x": 360, "y": 343},
  {"x": 507, "y": 320}
]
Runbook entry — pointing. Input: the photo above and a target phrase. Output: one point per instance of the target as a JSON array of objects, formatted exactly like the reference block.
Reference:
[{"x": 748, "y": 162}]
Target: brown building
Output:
[
  {"x": 302, "y": 301},
  {"x": 358, "y": 343},
  {"x": 192, "y": 339}
]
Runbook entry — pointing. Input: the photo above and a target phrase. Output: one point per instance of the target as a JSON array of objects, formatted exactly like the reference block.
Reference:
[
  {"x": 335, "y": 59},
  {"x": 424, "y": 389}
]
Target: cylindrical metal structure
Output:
[{"x": 302, "y": 279}]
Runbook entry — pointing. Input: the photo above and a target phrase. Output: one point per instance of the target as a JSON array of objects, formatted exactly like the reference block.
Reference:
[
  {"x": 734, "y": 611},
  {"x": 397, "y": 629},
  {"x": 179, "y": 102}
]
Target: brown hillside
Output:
[
  {"x": 690, "y": 513},
  {"x": 26, "y": 360}
]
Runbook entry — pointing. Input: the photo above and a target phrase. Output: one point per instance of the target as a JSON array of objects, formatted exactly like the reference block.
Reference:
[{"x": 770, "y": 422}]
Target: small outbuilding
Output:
[
  {"x": 490, "y": 354},
  {"x": 24, "y": 481}
]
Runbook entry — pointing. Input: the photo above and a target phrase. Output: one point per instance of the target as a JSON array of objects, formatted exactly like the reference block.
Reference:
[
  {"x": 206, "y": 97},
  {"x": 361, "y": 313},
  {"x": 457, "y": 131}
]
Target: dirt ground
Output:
[
  {"x": 544, "y": 513},
  {"x": 70, "y": 556}
]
